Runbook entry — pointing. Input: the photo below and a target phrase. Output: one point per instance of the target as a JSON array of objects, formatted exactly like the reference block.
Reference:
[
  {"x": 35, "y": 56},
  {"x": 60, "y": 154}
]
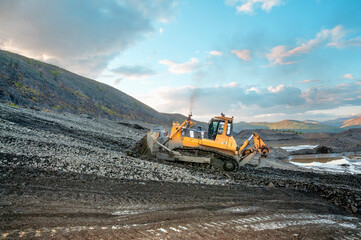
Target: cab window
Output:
[
  {"x": 220, "y": 127},
  {"x": 213, "y": 129},
  {"x": 229, "y": 128}
]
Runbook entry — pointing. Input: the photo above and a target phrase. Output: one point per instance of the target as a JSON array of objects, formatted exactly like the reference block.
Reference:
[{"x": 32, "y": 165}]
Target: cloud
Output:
[
  {"x": 216, "y": 53},
  {"x": 354, "y": 42},
  {"x": 246, "y": 102},
  {"x": 253, "y": 89},
  {"x": 248, "y": 6},
  {"x": 224, "y": 98},
  {"x": 161, "y": 30},
  {"x": 228, "y": 85},
  {"x": 348, "y": 75},
  {"x": 181, "y": 68},
  {"x": 133, "y": 72},
  {"x": 117, "y": 81},
  {"x": 276, "y": 89},
  {"x": 334, "y": 34},
  {"x": 279, "y": 53},
  {"x": 198, "y": 75},
  {"x": 331, "y": 97},
  {"x": 83, "y": 35},
  {"x": 244, "y": 54},
  {"x": 308, "y": 81}
]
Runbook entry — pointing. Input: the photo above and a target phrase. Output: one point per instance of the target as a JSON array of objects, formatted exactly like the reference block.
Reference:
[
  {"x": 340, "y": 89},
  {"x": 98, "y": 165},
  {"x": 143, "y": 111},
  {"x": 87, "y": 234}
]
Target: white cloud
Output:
[
  {"x": 161, "y": 30},
  {"x": 216, "y": 53},
  {"x": 308, "y": 81},
  {"x": 246, "y": 102},
  {"x": 348, "y": 75},
  {"x": 279, "y": 53},
  {"x": 253, "y": 89},
  {"x": 244, "y": 54},
  {"x": 248, "y": 6},
  {"x": 276, "y": 89},
  {"x": 230, "y": 85},
  {"x": 82, "y": 36},
  {"x": 354, "y": 42},
  {"x": 181, "y": 68}
]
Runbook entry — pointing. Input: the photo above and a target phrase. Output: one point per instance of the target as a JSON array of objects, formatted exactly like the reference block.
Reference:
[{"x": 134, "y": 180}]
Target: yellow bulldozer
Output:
[{"x": 216, "y": 147}]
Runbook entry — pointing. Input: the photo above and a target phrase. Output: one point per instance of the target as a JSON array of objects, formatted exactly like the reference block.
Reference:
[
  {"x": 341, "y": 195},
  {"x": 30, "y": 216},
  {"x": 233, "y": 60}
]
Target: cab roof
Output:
[{"x": 224, "y": 118}]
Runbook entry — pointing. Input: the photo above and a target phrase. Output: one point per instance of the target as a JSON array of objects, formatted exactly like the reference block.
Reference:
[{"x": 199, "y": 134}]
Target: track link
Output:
[{"x": 218, "y": 159}]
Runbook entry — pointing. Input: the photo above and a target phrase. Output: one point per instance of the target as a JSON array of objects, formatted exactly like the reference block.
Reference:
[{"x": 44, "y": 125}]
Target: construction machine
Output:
[{"x": 216, "y": 147}]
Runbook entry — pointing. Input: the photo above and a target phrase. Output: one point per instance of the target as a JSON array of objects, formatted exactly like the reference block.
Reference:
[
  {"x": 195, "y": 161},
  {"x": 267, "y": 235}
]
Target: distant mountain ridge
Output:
[
  {"x": 339, "y": 121},
  {"x": 353, "y": 122},
  {"x": 302, "y": 126},
  {"x": 34, "y": 84}
]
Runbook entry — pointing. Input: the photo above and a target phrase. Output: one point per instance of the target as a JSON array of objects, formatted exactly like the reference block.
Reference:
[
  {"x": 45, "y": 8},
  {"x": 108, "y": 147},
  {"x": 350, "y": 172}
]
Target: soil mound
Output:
[{"x": 347, "y": 141}]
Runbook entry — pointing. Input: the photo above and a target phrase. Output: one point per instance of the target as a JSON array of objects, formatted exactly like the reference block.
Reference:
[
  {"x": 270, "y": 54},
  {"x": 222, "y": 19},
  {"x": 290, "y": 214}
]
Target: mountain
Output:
[
  {"x": 339, "y": 121},
  {"x": 311, "y": 121},
  {"x": 301, "y": 126},
  {"x": 237, "y": 127},
  {"x": 351, "y": 123},
  {"x": 34, "y": 84}
]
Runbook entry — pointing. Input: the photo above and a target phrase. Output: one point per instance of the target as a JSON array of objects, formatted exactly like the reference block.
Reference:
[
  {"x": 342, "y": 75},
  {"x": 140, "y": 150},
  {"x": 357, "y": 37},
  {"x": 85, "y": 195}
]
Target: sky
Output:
[{"x": 256, "y": 60}]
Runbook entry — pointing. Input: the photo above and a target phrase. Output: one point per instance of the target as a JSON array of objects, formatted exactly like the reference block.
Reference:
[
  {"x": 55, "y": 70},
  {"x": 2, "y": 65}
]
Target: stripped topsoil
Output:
[{"x": 68, "y": 177}]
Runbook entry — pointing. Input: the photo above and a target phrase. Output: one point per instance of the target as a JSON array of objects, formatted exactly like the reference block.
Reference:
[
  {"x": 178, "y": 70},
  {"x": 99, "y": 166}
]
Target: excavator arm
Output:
[{"x": 259, "y": 146}]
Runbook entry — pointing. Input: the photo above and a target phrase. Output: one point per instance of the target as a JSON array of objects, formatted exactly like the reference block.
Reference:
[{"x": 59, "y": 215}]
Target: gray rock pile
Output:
[
  {"x": 70, "y": 143},
  {"x": 347, "y": 141}
]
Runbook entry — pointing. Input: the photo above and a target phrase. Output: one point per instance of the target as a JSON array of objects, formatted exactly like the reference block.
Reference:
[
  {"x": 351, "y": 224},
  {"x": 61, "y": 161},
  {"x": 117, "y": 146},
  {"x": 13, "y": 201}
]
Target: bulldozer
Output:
[{"x": 216, "y": 147}]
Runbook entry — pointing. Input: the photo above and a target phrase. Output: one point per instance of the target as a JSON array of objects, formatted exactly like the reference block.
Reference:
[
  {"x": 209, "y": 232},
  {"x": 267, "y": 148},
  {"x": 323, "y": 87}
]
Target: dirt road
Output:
[{"x": 45, "y": 204}]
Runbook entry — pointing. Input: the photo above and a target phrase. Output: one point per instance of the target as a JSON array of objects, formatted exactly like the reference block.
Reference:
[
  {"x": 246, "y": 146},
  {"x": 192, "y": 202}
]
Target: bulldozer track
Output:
[{"x": 206, "y": 153}]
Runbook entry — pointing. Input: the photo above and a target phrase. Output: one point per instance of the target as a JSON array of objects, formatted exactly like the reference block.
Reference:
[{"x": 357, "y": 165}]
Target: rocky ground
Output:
[{"x": 68, "y": 177}]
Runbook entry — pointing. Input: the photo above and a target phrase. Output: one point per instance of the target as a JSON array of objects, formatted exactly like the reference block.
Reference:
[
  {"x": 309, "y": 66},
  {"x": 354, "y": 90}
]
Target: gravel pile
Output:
[
  {"x": 69, "y": 143},
  {"x": 347, "y": 141}
]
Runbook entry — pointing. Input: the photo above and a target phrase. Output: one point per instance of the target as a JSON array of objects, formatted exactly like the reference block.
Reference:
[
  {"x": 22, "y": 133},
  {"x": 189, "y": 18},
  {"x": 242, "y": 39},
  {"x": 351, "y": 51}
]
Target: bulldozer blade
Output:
[{"x": 247, "y": 159}]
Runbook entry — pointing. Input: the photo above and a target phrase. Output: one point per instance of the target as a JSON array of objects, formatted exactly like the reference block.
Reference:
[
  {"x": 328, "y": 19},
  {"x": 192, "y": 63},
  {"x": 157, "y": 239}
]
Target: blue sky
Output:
[{"x": 257, "y": 60}]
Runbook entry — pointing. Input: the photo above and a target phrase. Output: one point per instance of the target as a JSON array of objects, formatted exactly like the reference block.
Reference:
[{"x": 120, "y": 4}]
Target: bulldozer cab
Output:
[{"x": 219, "y": 126}]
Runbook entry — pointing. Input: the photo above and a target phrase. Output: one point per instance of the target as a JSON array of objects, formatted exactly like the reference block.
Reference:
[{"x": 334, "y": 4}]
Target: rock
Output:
[
  {"x": 323, "y": 149},
  {"x": 278, "y": 153},
  {"x": 354, "y": 209},
  {"x": 303, "y": 152},
  {"x": 271, "y": 185}
]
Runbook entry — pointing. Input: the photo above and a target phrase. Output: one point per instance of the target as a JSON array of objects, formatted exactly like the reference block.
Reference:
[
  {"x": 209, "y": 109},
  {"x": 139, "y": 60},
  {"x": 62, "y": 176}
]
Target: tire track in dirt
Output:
[{"x": 346, "y": 226}]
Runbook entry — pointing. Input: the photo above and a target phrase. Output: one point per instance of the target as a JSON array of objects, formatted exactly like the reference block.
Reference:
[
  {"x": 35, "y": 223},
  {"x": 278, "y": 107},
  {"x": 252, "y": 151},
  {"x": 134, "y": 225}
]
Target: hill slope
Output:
[
  {"x": 354, "y": 122},
  {"x": 31, "y": 83}
]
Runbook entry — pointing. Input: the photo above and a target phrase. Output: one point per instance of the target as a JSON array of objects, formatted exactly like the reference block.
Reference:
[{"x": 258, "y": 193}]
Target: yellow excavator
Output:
[{"x": 216, "y": 147}]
